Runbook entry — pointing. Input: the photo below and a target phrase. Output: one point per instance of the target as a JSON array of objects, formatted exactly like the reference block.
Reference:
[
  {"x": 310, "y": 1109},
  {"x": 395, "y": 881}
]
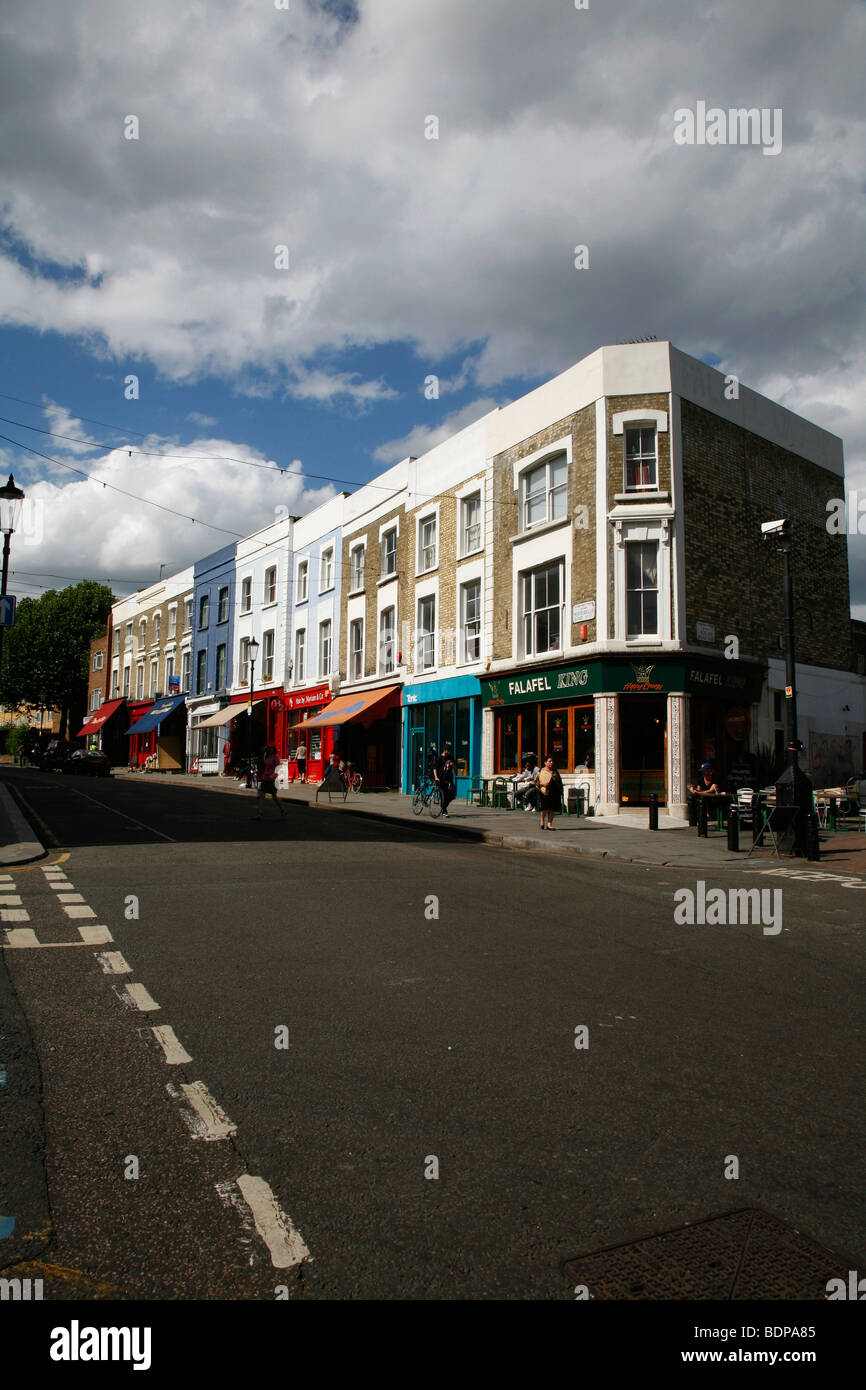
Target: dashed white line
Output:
[
  {"x": 95, "y": 936},
  {"x": 70, "y": 897},
  {"x": 112, "y": 962},
  {"x": 205, "y": 1119},
  {"x": 136, "y": 997},
  {"x": 10, "y": 900},
  {"x": 14, "y": 914},
  {"x": 21, "y": 938},
  {"x": 79, "y": 911},
  {"x": 285, "y": 1243},
  {"x": 175, "y": 1053}
]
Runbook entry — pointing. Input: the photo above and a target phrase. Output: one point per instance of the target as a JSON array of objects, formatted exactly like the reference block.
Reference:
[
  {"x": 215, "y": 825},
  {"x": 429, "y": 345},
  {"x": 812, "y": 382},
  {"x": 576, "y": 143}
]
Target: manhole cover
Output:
[{"x": 743, "y": 1255}]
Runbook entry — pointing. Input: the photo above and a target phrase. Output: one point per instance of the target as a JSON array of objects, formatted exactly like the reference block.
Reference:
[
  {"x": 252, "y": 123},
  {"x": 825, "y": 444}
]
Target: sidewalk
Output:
[
  {"x": 19, "y": 843},
  {"x": 624, "y": 837}
]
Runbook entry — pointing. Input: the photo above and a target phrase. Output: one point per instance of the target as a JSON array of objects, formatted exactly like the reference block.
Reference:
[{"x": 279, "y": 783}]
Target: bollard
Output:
[
  {"x": 693, "y": 809},
  {"x": 831, "y": 816},
  {"x": 733, "y": 828},
  {"x": 653, "y": 811},
  {"x": 813, "y": 843},
  {"x": 702, "y": 818}
]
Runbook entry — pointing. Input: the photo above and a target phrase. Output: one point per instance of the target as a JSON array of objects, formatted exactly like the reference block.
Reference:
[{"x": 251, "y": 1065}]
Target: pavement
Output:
[
  {"x": 20, "y": 843},
  {"x": 626, "y": 837}
]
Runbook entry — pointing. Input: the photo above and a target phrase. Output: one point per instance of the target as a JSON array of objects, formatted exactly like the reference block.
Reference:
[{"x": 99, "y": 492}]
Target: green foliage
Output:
[
  {"x": 47, "y": 650},
  {"x": 14, "y": 739}
]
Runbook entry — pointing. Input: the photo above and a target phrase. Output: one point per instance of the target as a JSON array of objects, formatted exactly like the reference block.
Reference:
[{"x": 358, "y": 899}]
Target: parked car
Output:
[
  {"x": 57, "y": 752},
  {"x": 83, "y": 763}
]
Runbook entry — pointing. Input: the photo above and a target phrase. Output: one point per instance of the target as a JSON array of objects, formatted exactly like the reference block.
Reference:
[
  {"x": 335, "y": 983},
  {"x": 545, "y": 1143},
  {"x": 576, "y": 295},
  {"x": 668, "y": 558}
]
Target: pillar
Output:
[
  {"x": 677, "y": 770},
  {"x": 607, "y": 754}
]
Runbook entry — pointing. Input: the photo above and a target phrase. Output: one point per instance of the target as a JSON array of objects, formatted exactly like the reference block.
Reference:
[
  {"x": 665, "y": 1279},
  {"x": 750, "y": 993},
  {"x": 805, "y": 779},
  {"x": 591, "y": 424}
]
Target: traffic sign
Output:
[{"x": 7, "y": 610}]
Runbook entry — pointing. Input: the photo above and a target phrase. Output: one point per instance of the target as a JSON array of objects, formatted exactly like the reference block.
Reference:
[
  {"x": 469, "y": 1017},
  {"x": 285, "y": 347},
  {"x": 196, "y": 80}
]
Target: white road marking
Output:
[
  {"x": 94, "y": 936},
  {"x": 175, "y": 1052},
  {"x": 7, "y": 878},
  {"x": 205, "y": 1119},
  {"x": 14, "y": 914},
  {"x": 59, "y": 885},
  {"x": 136, "y": 997},
  {"x": 114, "y": 811},
  {"x": 10, "y": 900},
  {"x": 20, "y": 937},
  {"x": 79, "y": 911},
  {"x": 70, "y": 898},
  {"x": 285, "y": 1243},
  {"x": 112, "y": 962}
]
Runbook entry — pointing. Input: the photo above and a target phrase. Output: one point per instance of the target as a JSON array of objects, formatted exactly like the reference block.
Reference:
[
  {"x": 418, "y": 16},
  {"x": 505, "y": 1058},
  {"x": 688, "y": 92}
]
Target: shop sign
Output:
[
  {"x": 705, "y": 632},
  {"x": 539, "y": 685},
  {"x": 730, "y": 681},
  {"x": 303, "y": 698},
  {"x": 583, "y": 612}
]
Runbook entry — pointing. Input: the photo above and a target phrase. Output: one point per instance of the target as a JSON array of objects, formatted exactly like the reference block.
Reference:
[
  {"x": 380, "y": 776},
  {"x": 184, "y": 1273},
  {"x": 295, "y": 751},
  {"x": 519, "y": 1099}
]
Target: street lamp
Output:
[
  {"x": 11, "y": 504},
  {"x": 793, "y": 787},
  {"x": 252, "y": 653}
]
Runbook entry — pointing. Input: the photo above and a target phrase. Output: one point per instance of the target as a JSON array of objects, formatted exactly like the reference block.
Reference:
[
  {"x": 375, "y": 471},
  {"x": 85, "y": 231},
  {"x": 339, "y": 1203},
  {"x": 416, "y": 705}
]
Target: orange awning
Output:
[{"x": 365, "y": 706}]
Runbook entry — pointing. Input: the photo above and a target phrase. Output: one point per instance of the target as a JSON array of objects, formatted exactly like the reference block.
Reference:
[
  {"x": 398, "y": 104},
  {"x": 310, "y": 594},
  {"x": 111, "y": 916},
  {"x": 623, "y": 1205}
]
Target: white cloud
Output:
[{"x": 424, "y": 437}]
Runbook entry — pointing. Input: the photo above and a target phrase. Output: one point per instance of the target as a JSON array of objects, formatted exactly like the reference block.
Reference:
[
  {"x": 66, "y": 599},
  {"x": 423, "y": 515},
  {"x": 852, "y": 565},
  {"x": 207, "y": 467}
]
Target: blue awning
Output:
[{"x": 155, "y": 715}]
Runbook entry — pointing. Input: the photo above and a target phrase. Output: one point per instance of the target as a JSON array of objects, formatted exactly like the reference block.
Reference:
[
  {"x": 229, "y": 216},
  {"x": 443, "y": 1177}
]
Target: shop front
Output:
[
  {"x": 103, "y": 731},
  {"x": 365, "y": 731},
  {"x": 249, "y": 731},
  {"x": 317, "y": 743},
  {"x": 141, "y": 745},
  {"x": 209, "y": 736},
  {"x": 159, "y": 735},
  {"x": 440, "y": 712}
]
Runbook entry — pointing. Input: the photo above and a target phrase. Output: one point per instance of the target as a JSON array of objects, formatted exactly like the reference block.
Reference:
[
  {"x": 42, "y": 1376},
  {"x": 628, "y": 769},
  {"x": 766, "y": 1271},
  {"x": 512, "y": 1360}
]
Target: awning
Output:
[
  {"x": 155, "y": 715},
  {"x": 224, "y": 716},
  {"x": 96, "y": 721},
  {"x": 367, "y": 705}
]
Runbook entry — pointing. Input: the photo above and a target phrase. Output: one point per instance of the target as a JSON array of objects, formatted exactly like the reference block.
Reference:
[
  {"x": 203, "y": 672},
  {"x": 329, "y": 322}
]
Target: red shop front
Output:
[
  {"x": 317, "y": 743},
  {"x": 141, "y": 746}
]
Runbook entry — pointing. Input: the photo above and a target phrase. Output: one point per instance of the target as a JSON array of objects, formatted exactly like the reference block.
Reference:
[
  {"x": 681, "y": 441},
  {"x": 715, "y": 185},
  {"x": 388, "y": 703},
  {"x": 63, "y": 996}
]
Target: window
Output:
[
  {"x": 186, "y": 662},
  {"x": 115, "y": 642},
  {"x": 115, "y": 685},
  {"x": 223, "y": 606},
  {"x": 325, "y": 648},
  {"x": 426, "y": 645},
  {"x": 203, "y": 611},
  {"x": 389, "y": 552},
  {"x": 326, "y": 571},
  {"x": 268, "y": 654},
  {"x": 169, "y": 672},
  {"x": 640, "y": 458},
  {"x": 271, "y": 584},
  {"x": 356, "y": 569},
  {"x": 245, "y": 661},
  {"x": 201, "y": 673},
  {"x": 172, "y": 622},
  {"x": 386, "y": 641},
  {"x": 545, "y": 492},
  {"x": 139, "y": 682},
  {"x": 470, "y": 524},
  {"x": 126, "y": 682},
  {"x": 470, "y": 597},
  {"x": 154, "y": 677},
  {"x": 642, "y": 587},
  {"x": 142, "y": 633},
  {"x": 187, "y": 615},
  {"x": 128, "y": 637},
  {"x": 300, "y": 655},
  {"x": 98, "y": 660},
  {"x": 427, "y": 544},
  {"x": 301, "y": 588},
  {"x": 157, "y": 628},
  {"x": 356, "y": 649},
  {"x": 247, "y": 594},
  {"x": 221, "y": 666},
  {"x": 95, "y": 699},
  {"x": 542, "y": 609}
]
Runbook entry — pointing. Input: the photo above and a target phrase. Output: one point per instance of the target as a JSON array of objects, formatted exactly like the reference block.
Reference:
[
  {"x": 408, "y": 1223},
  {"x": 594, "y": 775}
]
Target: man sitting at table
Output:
[
  {"x": 706, "y": 784},
  {"x": 523, "y": 783}
]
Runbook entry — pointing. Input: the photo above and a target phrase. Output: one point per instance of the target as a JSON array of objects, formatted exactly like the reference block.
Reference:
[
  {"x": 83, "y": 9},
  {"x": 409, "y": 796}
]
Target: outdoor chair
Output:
[{"x": 499, "y": 795}]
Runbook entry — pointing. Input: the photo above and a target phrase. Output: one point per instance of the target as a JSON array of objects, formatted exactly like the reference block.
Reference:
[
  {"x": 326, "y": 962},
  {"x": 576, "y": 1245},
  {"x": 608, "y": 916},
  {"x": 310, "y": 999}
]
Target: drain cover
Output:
[{"x": 745, "y": 1254}]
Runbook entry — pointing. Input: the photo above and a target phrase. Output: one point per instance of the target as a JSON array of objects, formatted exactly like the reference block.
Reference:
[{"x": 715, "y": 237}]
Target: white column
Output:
[
  {"x": 677, "y": 772},
  {"x": 487, "y": 742},
  {"x": 607, "y": 754}
]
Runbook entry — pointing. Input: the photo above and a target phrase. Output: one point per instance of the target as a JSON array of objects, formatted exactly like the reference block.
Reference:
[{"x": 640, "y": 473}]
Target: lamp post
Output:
[
  {"x": 793, "y": 787},
  {"x": 252, "y": 653},
  {"x": 11, "y": 503}
]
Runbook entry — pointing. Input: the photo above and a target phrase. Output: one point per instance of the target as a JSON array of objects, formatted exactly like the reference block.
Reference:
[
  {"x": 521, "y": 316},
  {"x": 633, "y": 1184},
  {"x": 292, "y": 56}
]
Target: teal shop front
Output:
[{"x": 440, "y": 712}]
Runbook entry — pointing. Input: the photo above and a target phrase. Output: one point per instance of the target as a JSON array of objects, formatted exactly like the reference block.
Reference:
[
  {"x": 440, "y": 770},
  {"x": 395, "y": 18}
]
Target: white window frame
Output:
[
  {"x": 223, "y": 589},
  {"x": 527, "y": 616},
  {"x": 139, "y": 681},
  {"x": 356, "y": 649},
  {"x": 357, "y": 571},
  {"x": 325, "y": 666},
  {"x": 465, "y": 656},
  {"x": 154, "y": 676},
  {"x": 98, "y": 661},
  {"x": 465, "y": 548},
  {"x": 650, "y": 529},
  {"x": 95, "y": 699},
  {"x": 303, "y": 571},
  {"x": 425, "y": 638},
  {"x": 326, "y": 570},
  {"x": 387, "y": 665},
  {"x": 247, "y": 594},
  {"x": 115, "y": 685},
  {"x": 268, "y": 656},
  {"x": 169, "y": 670},
  {"x": 142, "y": 633},
  {"x": 391, "y": 526},
  {"x": 300, "y": 668},
  {"x": 221, "y": 684},
  {"x": 185, "y": 668},
  {"x": 426, "y": 519},
  {"x": 549, "y": 491},
  {"x": 204, "y": 608},
  {"x": 127, "y": 681},
  {"x": 201, "y": 688},
  {"x": 188, "y": 613},
  {"x": 172, "y": 621},
  {"x": 270, "y": 585},
  {"x": 653, "y": 485}
]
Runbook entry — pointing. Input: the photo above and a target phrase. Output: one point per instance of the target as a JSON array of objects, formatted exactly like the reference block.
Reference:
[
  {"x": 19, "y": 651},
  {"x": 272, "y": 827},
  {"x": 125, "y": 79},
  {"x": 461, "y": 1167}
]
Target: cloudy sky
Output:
[{"x": 268, "y": 378}]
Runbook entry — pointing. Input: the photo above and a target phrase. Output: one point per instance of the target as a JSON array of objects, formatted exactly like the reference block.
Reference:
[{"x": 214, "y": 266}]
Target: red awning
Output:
[
  {"x": 96, "y": 721},
  {"x": 365, "y": 706}
]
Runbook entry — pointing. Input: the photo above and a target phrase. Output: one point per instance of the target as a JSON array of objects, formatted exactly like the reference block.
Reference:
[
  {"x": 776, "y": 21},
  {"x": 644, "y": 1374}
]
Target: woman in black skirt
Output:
[{"x": 549, "y": 785}]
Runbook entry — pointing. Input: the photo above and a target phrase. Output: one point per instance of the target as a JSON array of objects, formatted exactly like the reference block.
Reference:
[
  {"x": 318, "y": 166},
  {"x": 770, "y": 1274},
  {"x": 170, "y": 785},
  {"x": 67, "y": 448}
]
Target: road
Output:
[{"x": 428, "y": 994}]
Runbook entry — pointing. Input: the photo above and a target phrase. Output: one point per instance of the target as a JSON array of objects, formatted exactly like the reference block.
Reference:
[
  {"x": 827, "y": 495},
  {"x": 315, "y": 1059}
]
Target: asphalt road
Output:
[{"x": 414, "y": 1036}]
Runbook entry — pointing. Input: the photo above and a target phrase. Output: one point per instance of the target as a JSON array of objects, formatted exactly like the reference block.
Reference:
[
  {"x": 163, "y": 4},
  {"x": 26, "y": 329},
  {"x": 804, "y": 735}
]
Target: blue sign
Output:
[
  {"x": 7, "y": 610},
  {"x": 174, "y": 682}
]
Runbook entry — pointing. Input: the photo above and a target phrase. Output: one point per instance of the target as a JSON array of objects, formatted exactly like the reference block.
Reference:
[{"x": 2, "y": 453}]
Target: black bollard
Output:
[
  {"x": 831, "y": 818},
  {"x": 653, "y": 811},
  {"x": 813, "y": 843},
  {"x": 702, "y": 817},
  {"x": 693, "y": 809},
  {"x": 733, "y": 828}
]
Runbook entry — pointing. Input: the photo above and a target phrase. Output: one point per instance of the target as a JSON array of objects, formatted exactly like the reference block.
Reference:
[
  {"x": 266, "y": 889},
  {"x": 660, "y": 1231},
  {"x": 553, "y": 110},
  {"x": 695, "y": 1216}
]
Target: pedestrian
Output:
[
  {"x": 549, "y": 785},
  {"x": 301, "y": 760},
  {"x": 523, "y": 783},
  {"x": 443, "y": 776},
  {"x": 708, "y": 785},
  {"x": 268, "y": 782}
]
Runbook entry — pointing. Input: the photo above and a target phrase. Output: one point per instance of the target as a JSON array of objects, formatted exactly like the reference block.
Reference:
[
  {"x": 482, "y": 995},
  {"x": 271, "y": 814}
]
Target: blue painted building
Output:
[
  {"x": 440, "y": 712},
  {"x": 213, "y": 620}
]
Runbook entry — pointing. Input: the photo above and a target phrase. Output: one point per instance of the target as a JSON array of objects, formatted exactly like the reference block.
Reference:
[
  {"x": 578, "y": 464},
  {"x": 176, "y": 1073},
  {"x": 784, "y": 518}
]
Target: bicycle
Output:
[
  {"x": 352, "y": 780},
  {"x": 427, "y": 793}
]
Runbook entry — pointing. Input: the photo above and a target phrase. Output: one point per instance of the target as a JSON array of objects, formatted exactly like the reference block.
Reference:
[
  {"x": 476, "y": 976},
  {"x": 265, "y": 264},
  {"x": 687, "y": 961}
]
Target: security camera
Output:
[{"x": 776, "y": 528}]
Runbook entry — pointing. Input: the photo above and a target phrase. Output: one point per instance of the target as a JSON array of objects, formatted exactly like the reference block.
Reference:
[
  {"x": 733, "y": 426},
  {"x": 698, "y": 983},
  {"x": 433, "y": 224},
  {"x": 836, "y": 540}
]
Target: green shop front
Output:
[{"x": 629, "y": 728}]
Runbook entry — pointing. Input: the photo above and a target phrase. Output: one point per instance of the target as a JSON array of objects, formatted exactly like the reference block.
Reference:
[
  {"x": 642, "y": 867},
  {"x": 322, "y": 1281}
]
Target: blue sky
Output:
[{"x": 257, "y": 128}]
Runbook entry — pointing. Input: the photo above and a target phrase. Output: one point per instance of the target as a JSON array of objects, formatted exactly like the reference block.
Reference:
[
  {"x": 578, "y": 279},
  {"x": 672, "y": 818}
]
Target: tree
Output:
[{"x": 47, "y": 650}]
